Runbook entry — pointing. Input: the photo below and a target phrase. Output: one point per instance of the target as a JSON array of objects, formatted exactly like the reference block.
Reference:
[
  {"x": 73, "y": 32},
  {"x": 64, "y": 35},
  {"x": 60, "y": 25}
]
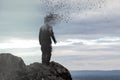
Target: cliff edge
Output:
[{"x": 14, "y": 68}]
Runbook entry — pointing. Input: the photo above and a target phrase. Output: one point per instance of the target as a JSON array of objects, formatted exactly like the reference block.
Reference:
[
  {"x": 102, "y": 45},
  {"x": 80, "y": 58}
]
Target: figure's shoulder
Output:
[
  {"x": 46, "y": 27},
  {"x": 42, "y": 27}
]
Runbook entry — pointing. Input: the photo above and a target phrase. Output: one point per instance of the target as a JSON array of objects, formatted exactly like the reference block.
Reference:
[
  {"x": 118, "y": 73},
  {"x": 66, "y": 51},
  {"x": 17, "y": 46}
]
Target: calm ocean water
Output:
[{"x": 96, "y": 75}]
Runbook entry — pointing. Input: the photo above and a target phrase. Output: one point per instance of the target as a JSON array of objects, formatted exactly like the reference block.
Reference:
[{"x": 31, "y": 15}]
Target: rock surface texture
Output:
[{"x": 14, "y": 68}]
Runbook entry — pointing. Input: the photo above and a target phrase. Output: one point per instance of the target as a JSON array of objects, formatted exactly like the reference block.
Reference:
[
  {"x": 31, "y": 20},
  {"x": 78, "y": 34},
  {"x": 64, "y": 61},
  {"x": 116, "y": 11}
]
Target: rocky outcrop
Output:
[
  {"x": 14, "y": 68},
  {"x": 11, "y": 67}
]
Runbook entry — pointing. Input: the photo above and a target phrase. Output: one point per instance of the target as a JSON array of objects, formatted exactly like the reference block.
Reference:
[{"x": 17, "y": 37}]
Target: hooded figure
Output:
[{"x": 46, "y": 36}]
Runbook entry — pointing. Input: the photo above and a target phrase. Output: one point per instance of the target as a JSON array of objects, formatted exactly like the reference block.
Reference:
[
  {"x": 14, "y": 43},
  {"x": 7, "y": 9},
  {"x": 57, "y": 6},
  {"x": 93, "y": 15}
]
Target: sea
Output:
[{"x": 95, "y": 75}]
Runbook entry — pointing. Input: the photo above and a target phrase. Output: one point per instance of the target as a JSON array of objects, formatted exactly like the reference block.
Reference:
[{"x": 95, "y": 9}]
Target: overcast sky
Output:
[{"x": 89, "y": 41}]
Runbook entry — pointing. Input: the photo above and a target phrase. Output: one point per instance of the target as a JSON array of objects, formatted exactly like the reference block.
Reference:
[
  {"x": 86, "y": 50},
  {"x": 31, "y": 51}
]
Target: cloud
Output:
[
  {"x": 80, "y": 52},
  {"x": 98, "y": 21},
  {"x": 25, "y": 17},
  {"x": 19, "y": 19},
  {"x": 100, "y": 41},
  {"x": 89, "y": 61},
  {"x": 19, "y": 43},
  {"x": 89, "y": 41},
  {"x": 14, "y": 43}
]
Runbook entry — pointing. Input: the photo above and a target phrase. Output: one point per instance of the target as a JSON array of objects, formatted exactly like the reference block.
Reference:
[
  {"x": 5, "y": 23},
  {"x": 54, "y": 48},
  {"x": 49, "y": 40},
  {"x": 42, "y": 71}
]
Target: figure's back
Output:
[{"x": 44, "y": 36}]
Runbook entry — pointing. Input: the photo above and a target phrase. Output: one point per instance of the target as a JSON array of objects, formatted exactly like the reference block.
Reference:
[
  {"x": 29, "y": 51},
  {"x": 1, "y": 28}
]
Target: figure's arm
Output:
[
  {"x": 52, "y": 35},
  {"x": 40, "y": 36}
]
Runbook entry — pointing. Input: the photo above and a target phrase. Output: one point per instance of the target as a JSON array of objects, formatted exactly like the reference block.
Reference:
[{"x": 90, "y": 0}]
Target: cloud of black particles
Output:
[{"x": 63, "y": 9}]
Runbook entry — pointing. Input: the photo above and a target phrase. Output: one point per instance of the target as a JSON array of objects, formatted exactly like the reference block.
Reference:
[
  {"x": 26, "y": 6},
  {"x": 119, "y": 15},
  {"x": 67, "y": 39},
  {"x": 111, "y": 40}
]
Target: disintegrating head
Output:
[
  {"x": 51, "y": 19},
  {"x": 61, "y": 10}
]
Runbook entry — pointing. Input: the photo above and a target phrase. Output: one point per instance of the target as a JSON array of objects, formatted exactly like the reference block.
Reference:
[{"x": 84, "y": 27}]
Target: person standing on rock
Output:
[{"x": 46, "y": 35}]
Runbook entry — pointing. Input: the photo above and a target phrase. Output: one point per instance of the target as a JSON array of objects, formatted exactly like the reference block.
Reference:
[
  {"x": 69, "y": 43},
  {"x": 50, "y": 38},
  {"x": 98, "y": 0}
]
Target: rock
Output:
[
  {"x": 54, "y": 71},
  {"x": 11, "y": 67},
  {"x": 14, "y": 68}
]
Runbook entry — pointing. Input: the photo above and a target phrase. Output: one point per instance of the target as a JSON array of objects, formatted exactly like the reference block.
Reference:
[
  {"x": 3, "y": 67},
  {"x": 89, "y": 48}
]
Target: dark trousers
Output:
[{"x": 46, "y": 54}]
